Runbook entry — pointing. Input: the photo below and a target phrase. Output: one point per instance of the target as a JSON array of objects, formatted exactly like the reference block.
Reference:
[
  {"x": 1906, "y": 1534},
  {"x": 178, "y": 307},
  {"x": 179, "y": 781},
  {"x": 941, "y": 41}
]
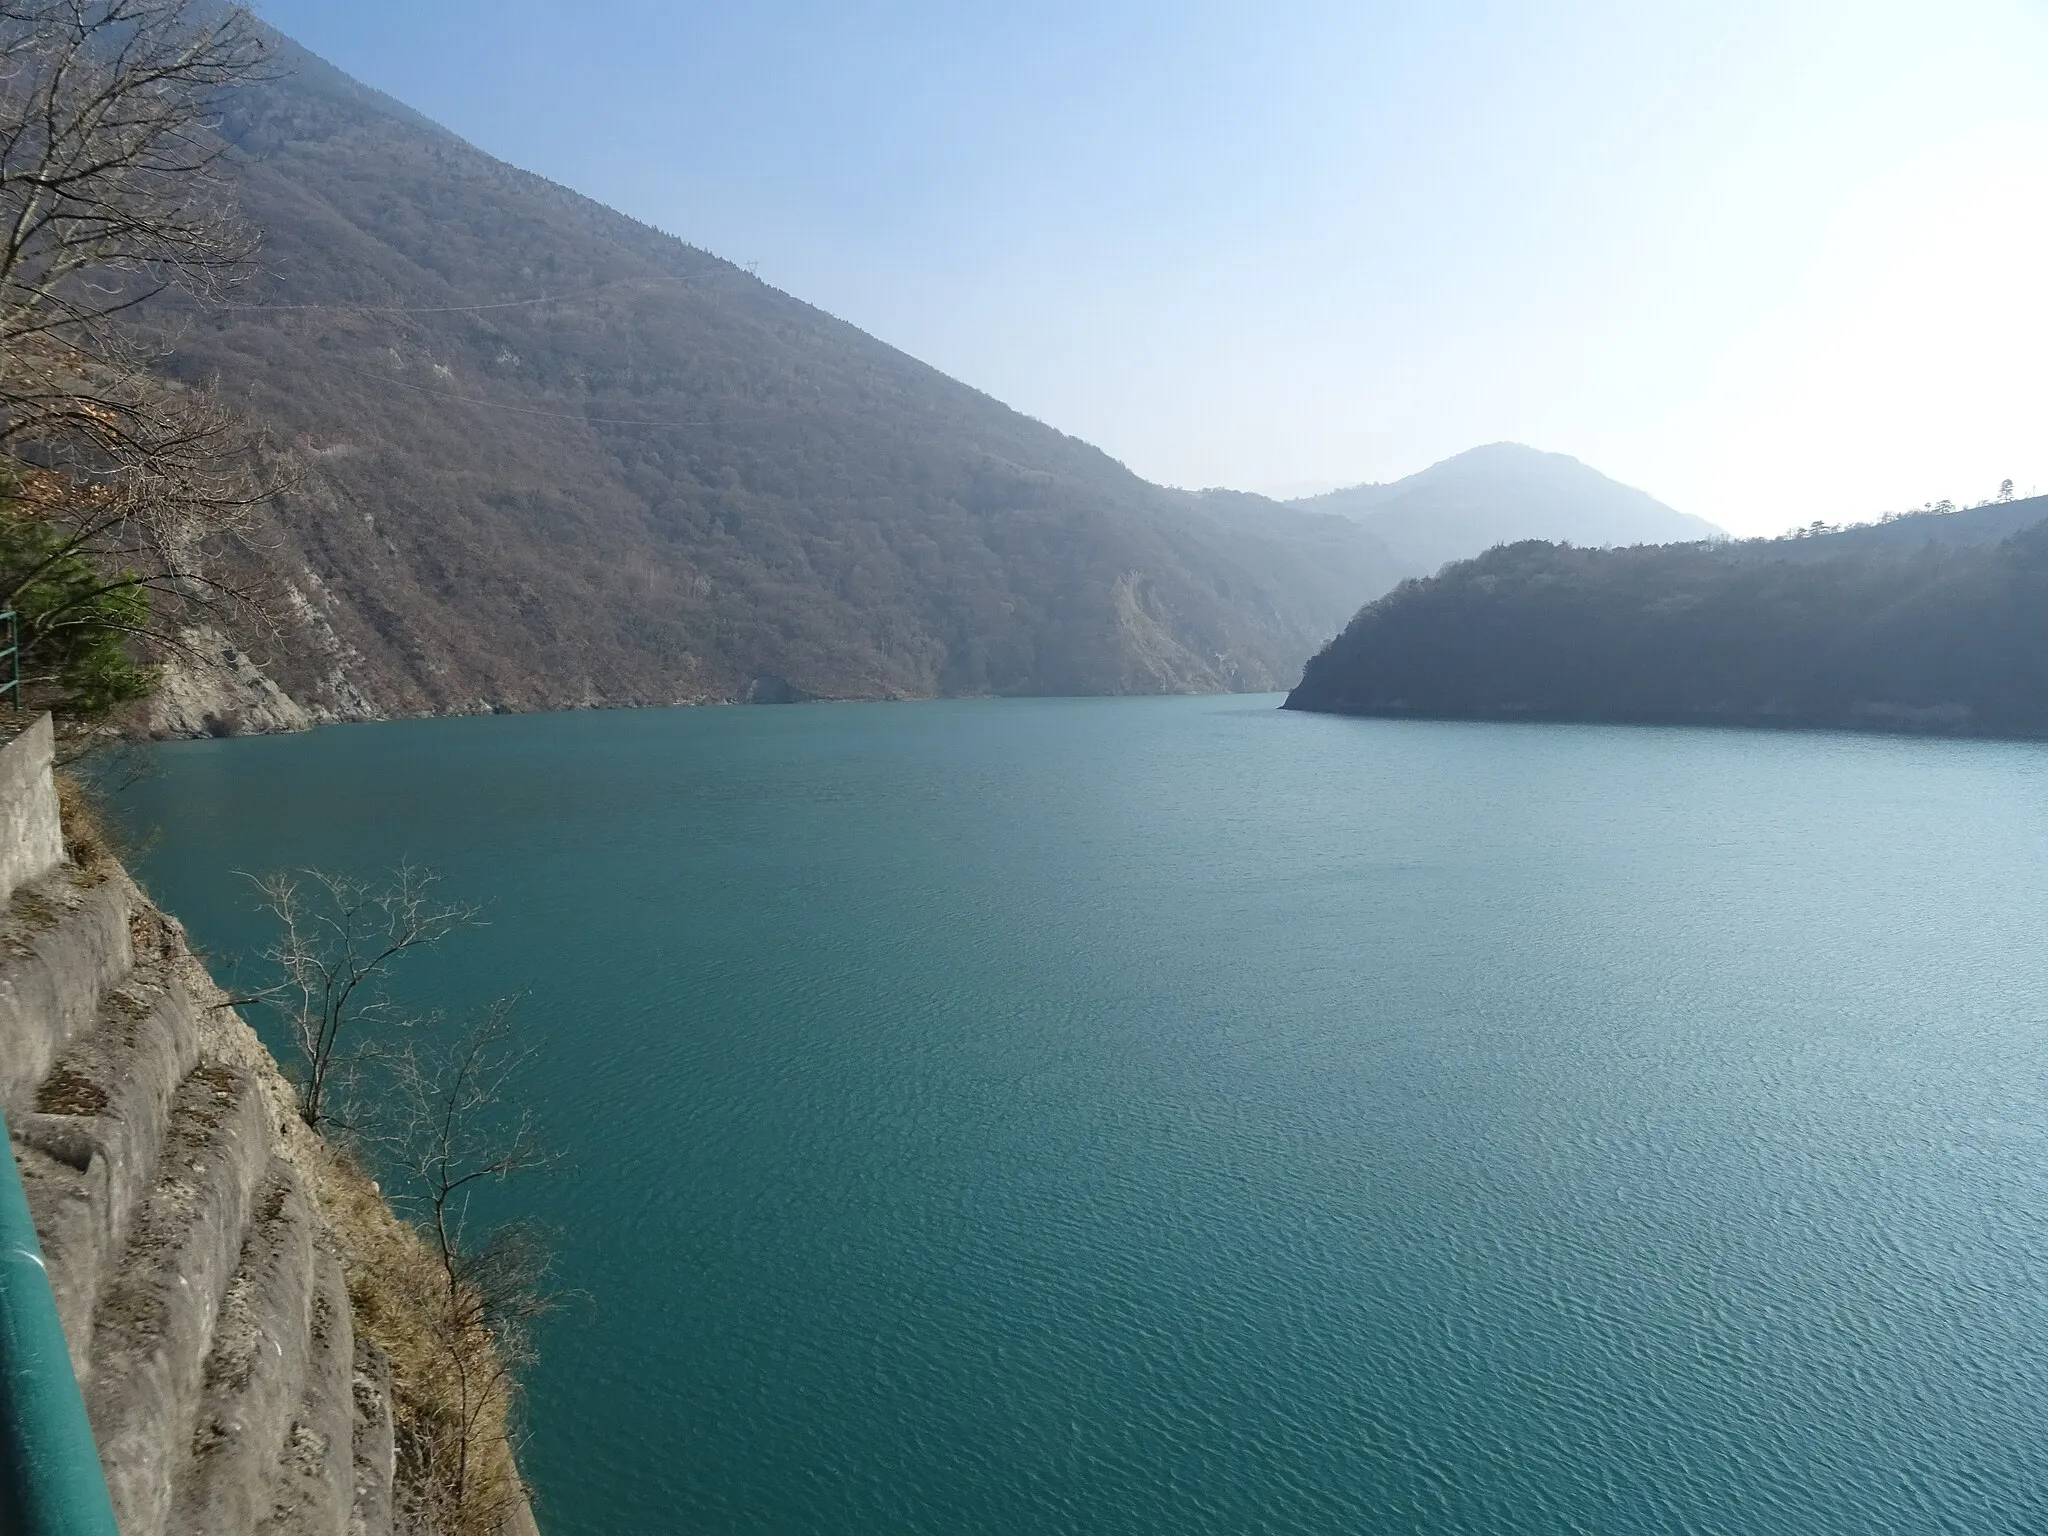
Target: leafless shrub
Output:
[
  {"x": 338, "y": 941},
  {"x": 424, "y": 1104},
  {"x": 449, "y": 1130}
]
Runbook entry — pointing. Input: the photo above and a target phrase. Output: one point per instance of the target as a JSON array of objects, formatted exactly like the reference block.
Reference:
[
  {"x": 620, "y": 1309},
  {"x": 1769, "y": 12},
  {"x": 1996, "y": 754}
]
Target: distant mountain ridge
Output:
[
  {"x": 1927, "y": 622},
  {"x": 555, "y": 458},
  {"x": 1504, "y": 493}
]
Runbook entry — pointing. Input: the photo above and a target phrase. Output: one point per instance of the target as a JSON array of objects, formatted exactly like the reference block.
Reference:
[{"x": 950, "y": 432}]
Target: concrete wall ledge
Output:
[{"x": 31, "y": 836}]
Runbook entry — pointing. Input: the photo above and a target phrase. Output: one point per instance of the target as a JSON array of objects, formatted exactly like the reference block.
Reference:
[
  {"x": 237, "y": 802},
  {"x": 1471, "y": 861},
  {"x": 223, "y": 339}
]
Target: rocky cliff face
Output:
[{"x": 209, "y": 1255}]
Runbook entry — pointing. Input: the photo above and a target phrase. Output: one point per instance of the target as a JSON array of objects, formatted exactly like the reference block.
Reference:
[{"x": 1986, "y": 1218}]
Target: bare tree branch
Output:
[
  {"x": 338, "y": 941},
  {"x": 114, "y": 193},
  {"x": 442, "y": 1126},
  {"x": 449, "y": 1131}
]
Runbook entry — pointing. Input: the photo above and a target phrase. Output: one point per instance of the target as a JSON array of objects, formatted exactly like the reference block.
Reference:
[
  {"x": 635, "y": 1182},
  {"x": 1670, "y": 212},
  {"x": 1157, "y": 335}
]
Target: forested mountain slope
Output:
[
  {"x": 553, "y": 457},
  {"x": 1502, "y": 494},
  {"x": 1928, "y": 622}
]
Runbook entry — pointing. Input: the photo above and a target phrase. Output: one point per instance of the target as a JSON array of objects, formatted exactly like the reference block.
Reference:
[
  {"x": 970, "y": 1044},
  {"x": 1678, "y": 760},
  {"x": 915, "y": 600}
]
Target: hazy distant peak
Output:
[
  {"x": 1502, "y": 450},
  {"x": 1501, "y": 493}
]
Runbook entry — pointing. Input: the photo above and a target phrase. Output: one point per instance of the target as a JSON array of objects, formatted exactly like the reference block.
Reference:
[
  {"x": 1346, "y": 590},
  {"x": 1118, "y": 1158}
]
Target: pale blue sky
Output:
[{"x": 1768, "y": 259}]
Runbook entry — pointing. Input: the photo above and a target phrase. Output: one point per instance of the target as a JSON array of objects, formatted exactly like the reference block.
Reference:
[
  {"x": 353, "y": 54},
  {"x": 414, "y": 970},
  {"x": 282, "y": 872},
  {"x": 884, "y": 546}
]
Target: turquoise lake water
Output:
[{"x": 1177, "y": 1116}]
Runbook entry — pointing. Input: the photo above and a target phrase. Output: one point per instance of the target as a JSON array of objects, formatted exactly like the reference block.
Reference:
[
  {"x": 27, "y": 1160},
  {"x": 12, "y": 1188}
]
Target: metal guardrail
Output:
[
  {"x": 50, "y": 1478},
  {"x": 10, "y": 660}
]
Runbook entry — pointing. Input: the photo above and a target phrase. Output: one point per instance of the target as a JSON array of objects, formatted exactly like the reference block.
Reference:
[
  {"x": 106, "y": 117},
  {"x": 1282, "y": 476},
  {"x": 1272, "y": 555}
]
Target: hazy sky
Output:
[{"x": 1770, "y": 260}]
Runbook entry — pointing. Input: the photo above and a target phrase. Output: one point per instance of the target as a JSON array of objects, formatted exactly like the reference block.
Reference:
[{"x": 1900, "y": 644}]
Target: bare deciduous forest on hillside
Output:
[
  {"x": 548, "y": 457},
  {"x": 1935, "y": 621}
]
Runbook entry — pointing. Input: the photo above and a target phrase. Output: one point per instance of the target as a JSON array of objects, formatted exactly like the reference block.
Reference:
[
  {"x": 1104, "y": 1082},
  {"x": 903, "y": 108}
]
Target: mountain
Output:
[
  {"x": 552, "y": 457},
  {"x": 1927, "y": 622},
  {"x": 1501, "y": 494}
]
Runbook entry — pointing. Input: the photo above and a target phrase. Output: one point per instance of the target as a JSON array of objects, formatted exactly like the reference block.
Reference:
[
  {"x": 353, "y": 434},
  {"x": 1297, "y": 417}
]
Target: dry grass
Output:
[
  {"x": 70, "y": 1092},
  {"x": 454, "y": 1450},
  {"x": 86, "y": 840}
]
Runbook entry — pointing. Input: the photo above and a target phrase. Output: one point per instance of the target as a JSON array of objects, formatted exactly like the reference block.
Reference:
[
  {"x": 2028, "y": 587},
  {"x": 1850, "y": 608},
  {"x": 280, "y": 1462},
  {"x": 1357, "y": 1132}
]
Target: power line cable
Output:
[
  {"x": 519, "y": 410},
  {"x": 458, "y": 309},
  {"x": 375, "y": 309},
  {"x": 426, "y": 309}
]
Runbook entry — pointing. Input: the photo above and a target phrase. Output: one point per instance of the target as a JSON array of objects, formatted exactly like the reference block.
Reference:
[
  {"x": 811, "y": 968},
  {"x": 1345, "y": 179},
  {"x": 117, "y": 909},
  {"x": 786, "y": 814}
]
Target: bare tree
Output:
[
  {"x": 113, "y": 194},
  {"x": 338, "y": 941},
  {"x": 428, "y": 1105},
  {"x": 450, "y": 1132}
]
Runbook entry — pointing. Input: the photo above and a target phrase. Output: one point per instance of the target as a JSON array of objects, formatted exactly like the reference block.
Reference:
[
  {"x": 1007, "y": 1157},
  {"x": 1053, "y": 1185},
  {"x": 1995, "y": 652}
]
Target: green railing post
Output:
[
  {"x": 50, "y": 1478},
  {"x": 10, "y": 652}
]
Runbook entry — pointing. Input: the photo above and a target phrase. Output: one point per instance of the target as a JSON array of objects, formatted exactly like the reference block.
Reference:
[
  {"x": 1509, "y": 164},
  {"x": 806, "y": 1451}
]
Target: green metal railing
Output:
[
  {"x": 10, "y": 654},
  {"x": 50, "y": 1478}
]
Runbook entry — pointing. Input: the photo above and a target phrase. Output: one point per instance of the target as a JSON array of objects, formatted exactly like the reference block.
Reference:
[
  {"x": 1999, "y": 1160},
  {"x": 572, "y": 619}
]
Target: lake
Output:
[{"x": 1178, "y": 1116}]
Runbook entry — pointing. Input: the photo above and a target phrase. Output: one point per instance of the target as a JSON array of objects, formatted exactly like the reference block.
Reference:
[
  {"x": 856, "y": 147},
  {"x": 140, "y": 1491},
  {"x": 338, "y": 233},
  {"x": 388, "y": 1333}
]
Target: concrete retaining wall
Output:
[
  {"x": 175, "y": 1192},
  {"x": 31, "y": 838}
]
